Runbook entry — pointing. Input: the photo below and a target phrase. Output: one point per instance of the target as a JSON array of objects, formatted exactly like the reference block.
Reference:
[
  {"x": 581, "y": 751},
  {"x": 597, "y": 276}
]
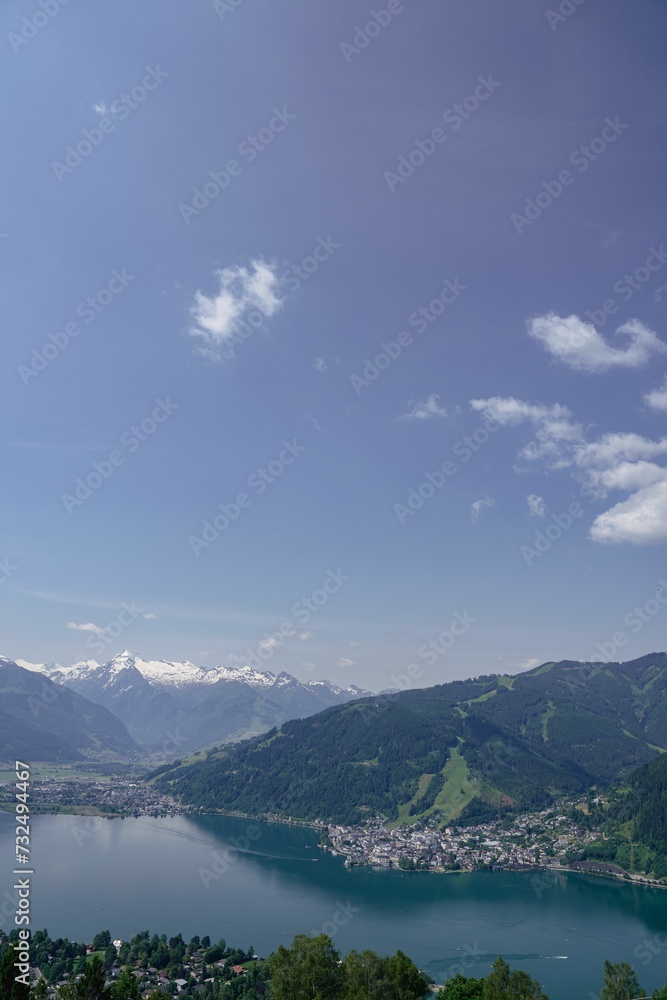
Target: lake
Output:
[{"x": 259, "y": 884}]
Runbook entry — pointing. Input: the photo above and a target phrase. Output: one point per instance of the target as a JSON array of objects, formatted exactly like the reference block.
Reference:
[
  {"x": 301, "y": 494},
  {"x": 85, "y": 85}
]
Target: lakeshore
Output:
[{"x": 545, "y": 841}]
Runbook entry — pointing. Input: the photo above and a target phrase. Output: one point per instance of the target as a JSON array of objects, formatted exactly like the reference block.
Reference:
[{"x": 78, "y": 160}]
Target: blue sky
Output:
[{"x": 501, "y": 170}]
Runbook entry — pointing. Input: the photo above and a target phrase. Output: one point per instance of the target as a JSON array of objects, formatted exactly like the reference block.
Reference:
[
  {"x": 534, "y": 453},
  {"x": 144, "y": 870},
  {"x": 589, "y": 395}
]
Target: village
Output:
[
  {"x": 114, "y": 796},
  {"x": 196, "y": 975},
  {"x": 532, "y": 840}
]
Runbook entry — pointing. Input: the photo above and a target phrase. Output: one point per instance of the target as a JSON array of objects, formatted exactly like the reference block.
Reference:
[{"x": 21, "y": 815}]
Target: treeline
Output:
[
  {"x": 620, "y": 982},
  {"x": 311, "y": 969},
  {"x": 59, "y": 959}
]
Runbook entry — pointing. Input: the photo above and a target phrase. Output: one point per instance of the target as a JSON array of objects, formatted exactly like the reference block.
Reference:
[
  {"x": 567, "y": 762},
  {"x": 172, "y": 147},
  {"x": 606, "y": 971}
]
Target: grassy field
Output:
[
  {"x": 40, "y": 771},
  {"x": 459, "y": 789},
  {"x": 546, "y": 719},
  {"x": 404, "y": 810},
  {"x": 56, "y": 809}
]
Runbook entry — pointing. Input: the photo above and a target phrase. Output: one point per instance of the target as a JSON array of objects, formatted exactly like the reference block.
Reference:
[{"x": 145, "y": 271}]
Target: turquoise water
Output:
[{"x": 186, "y": 874}]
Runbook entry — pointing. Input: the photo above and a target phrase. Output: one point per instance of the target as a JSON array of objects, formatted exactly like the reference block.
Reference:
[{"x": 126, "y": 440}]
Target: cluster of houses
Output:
[
  {"x": 152, "y": 980},
  {"x": 114, "y": 796},
  {"x": 528, "y": 841}
]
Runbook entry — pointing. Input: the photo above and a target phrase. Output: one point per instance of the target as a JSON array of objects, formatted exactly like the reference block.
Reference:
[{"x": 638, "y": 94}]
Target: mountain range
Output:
[
  {"x": 172, "y": 708},
  {"x": 459, "y": 751}
]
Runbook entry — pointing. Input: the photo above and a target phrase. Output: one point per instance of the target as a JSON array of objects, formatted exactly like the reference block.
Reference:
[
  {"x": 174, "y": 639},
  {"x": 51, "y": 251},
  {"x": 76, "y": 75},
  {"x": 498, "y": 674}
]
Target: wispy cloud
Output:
[
  {"x": 615, "y": 461},
  {"x": 478, "y": 506},
  {"x": 345, "y": 662},
  {"x": 555, "y": 431},
  {"x": 86, "y": 627},
  {"x": 536, "y": 505},
  {"x": 320, "y": 365},
  {"x": 425, "y": 409},
  {"x": 657, "y": 398},
  {"x": 581, "y": 346},
  {"x": 246, "y": 296}
]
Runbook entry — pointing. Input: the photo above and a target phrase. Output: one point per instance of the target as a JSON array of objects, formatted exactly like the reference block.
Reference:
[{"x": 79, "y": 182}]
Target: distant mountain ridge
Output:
[
  {"x": 189, "y": 707},
  {"x": 459, "y": 751},
  {"x": 39, "y": 720}
]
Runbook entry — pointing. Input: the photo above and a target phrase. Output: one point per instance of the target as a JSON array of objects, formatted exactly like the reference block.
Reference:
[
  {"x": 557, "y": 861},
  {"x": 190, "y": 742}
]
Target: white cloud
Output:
[
  {"x": 309, "y": 665},
  {"x": 149, "y": 615},
  {"x": 508, "y": 410},
  {"x": 86, "y": 627},
  {"x": 581, "y": 346},
  {"x": 618, "y": 461},
  {"x": 555, "y": 432},
  {"x": 320, "y": 365},
  {"x": 536, "y": 505},
  {"x": 626, "y": 476},
  {"x": 305, "y": 635},
  {"x": 245, "y": 297},
  {"x": 478, "y": 506},
  {"x": 344, "y": 662},
  {"x": 611, "y": 449},
  {"x": 528, "y": 664},
  {"x": 355, "y": 644},
  {"x": 640, "y": 520},
  {"x": 424, "y": 410},
  {"x": 100, "y": 109},
  {"x": 657, "y": 398}
]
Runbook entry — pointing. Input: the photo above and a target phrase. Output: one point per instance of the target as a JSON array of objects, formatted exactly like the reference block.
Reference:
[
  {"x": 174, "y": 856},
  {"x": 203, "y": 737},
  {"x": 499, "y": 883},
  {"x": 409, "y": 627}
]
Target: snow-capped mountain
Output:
[{"x": 184, "y": 707}]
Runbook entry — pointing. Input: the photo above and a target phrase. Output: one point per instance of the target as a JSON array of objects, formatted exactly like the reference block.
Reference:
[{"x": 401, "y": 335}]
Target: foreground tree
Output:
[
  {"x": 309, "y": 970},
  {"x": 9, "y": 988},
  {"x": 39, "y": 990},
  {"x": 460, "y": 987},
  {"x": 366, "y": 977},
  {"x": 620, "y": 982},
  {"x": 91, "y": 984},
  {"x": 504, "y": 984},
  {"x": 407, "y": 981},
  {"x": 127, "y": 987},
  {"x": 101, "y": 940}
]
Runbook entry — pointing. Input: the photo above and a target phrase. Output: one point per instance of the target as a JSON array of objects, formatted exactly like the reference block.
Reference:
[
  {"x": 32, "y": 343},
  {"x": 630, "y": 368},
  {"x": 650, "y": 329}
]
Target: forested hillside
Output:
[
  {"x": 459, "y": 750},
  {"x": 635, "y": 823}
]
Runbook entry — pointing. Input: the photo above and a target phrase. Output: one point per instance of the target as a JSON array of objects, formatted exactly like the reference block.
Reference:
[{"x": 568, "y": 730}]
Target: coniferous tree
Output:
[{"x": 91, "y": 985}]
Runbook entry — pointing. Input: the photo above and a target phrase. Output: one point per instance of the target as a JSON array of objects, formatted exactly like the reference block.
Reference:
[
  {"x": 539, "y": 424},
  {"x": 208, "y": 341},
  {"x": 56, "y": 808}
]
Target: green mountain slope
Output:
[
  {"x": 40, "y": 720},
  {"x": 458, "y": 750}
]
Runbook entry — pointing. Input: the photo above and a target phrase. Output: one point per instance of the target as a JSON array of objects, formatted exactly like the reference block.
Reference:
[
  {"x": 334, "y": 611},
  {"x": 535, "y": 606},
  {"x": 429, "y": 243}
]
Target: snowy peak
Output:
[
  {"x": 173, "y": 707},
  {"x": 248, "y": 675},
  {"x": 127, "y": 668},
  {"x": 353, "y": 691}
]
